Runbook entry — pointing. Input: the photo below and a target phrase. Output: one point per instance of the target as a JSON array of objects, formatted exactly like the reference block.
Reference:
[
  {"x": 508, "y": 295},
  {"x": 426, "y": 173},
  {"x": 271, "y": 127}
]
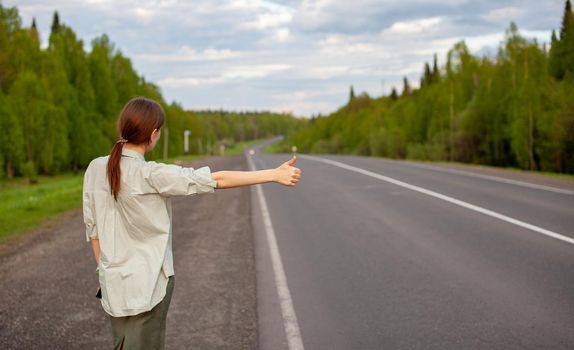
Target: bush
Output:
[
  {"x": 416, "y": 151},
  {"x": 29, "y": 170}
]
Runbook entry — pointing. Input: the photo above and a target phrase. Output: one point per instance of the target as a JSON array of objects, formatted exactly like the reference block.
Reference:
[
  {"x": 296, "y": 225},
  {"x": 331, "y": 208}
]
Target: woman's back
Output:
[{"x": 134, "y": 231}]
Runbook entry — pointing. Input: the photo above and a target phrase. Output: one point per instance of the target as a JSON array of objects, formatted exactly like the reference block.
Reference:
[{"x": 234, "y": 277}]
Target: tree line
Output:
[
  {"x": 513, "y": 109},
  {"x": 59, "y": 105}
]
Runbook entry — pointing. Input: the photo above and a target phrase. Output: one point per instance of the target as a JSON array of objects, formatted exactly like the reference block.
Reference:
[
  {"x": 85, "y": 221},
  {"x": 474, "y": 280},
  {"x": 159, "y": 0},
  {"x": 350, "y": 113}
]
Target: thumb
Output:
[{"x": 292, "y": 160}]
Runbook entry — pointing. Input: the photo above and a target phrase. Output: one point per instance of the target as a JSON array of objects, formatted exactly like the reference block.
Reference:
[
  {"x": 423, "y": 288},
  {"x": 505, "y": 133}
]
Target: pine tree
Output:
[
  {"x": 435, "y": 71},
  {"x": 567, "y": 20},
  {"x": 562, "y": 50},
  {"x": 567, "y": 39},
  {"x": 394, "y": 95},
  {"x": 427, "y": 77},
  {"x": 554, "y": 64},
  {"x": 351, "y": 94},
  {"x": 55, "y": 23},
  {"x": 34, "y": 31},
  {"x": 406, "y": 87}
]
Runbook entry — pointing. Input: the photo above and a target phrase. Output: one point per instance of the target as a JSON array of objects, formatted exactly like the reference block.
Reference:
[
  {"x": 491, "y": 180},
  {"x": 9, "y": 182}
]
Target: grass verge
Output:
[{"x": 24, "y": 207}]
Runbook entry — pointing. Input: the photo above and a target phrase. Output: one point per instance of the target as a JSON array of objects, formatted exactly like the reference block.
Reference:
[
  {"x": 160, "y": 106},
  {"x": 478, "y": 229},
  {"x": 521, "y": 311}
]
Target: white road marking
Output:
[
  {"x": 292, "y": 332},
  {"x": 445, "y": 198},
  {"x": 492, "y": 178}
]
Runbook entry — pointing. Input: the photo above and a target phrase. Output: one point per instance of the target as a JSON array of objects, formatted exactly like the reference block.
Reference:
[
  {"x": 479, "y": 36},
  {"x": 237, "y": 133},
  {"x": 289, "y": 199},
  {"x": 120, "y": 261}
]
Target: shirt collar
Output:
[{"x": 131, "y": 153}]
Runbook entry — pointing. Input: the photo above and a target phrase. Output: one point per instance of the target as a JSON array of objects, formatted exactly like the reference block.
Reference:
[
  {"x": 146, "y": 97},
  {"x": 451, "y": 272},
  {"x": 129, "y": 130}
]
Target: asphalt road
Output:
[
  {"x": 368, "y": 265},
  {"x": 372, "y": 265}
]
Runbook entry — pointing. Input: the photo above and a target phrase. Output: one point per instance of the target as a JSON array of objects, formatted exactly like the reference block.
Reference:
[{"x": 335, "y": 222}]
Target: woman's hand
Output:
[{"x": 287, "y": 174}]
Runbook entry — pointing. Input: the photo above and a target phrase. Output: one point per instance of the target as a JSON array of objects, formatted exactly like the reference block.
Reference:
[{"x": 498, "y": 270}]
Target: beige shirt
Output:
[{"x": 135, "y": 232}]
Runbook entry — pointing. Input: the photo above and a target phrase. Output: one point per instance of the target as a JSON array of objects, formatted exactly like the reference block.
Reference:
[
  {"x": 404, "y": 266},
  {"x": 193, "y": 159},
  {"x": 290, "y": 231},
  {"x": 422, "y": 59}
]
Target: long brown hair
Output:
[{"x": 136, "y": 122}]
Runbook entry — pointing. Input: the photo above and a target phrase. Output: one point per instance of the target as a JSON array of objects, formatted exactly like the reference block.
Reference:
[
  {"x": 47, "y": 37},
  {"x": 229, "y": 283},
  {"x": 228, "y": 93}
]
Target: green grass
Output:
[{"x": 24, "y": 207}]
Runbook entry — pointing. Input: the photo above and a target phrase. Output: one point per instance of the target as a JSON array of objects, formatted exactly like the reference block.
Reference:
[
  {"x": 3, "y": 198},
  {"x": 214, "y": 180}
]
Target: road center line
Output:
[
  {"x": 491, "y": 178},
  {"x": 444, "y": 198},
  {"x": 290, "y": 323}
]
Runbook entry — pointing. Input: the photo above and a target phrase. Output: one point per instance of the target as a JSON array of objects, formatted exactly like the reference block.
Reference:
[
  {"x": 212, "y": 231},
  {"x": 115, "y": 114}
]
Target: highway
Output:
[{"x": 372, "y": 264}]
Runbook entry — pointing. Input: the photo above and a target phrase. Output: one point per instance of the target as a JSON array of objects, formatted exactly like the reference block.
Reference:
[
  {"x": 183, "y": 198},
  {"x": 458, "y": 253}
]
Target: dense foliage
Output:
[
  {"x": 59, "y": 105},
  {"x": 515, "y": 109}
]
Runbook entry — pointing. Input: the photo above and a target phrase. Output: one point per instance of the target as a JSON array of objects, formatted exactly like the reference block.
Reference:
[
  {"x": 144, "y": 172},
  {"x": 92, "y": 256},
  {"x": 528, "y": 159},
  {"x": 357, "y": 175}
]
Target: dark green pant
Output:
[{"x": 145, "y": 330}]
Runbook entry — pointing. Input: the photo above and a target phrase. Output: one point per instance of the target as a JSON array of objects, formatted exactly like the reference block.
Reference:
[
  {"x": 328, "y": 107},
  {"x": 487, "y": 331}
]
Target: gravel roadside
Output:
[{"x": 49, "y": 283}]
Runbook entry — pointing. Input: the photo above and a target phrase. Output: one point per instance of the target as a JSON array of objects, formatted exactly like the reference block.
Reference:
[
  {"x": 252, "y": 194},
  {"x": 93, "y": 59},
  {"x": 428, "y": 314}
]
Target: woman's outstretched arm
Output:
[{"x": 285, "y": 174}]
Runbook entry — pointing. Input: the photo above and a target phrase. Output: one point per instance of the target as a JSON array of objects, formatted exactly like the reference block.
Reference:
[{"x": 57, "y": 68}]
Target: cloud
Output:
[
  {"x": 269, "y": 20},
  {"x": 503, "y": 14},
  {"x": 188, "y": 54},
  {"x": 144, "y": 14},
  {"x": 233, "y": 73},
  {"x": 309, "y": 51},
  {"x": 282, "y": 35},
  {"x": 415, "y": 26}
]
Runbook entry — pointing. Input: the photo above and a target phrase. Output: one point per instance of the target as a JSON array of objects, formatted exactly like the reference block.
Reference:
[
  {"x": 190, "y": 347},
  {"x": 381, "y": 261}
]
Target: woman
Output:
[{"x": 127, "y": 212}]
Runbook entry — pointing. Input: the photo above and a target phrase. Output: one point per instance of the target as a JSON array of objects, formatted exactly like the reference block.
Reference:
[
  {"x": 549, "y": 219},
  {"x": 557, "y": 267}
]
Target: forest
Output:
[
  {"x": 513, "y": 110},
  {"x": 59, "y": 105}
]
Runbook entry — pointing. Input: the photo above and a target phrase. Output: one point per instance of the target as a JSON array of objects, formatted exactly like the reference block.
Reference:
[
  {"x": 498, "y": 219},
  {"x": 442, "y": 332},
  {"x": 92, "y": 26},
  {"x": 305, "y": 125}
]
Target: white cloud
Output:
[
  {"x": 175, "y": 82},
  {"x": 301, "y": 95},
  {"x": 255, "y": 71},
  {"x": 143, "y": 13},
  {"x": 240, "y": 72},
  {"x": 415, "y": 26},
  {"x": 338, "y": 44},
  {"x": 282, "y": 35},
  {"x": 97, "y": 2},
  {"x": 269, "y": 20},
  {"x": 307, "y": 108},
  {"x": 309, "y": 102},
  {"x": 503, "y": 14},
  {"x": 188, "y": 54}
]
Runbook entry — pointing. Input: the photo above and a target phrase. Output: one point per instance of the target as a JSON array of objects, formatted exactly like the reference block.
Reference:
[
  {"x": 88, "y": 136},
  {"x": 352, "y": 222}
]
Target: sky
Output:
[{"x": 289, "y": 56}]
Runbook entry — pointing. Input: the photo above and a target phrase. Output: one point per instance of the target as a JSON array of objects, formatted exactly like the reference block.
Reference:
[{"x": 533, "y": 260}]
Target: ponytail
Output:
[
  {"x": 113, "y": 169},
  {"x": 136, "y": 122}
]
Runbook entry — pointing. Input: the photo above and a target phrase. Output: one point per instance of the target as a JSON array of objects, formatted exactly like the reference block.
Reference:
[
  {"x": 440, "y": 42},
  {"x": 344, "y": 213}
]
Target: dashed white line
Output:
[
  {"x": 458, "y": 202},
  {"x": 292, "y": 332}
]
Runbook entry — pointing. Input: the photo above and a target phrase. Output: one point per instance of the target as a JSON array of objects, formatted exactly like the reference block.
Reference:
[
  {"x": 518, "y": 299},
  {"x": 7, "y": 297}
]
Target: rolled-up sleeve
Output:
[
  {"x": 88, "y": 209},
  {"x": 174, "y": 180}
]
